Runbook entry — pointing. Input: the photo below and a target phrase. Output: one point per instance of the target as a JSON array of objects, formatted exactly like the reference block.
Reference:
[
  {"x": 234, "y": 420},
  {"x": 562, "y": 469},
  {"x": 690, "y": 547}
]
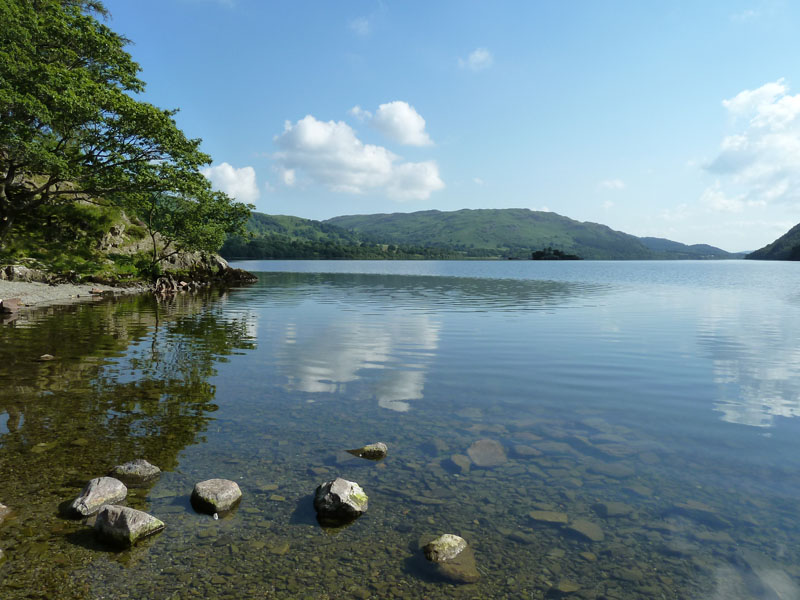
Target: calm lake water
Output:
[{"x": 647, "y": 411}]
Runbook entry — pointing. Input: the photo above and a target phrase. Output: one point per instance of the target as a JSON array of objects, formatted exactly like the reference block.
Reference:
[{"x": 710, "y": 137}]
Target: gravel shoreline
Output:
[{"x": 39, "y": 294}]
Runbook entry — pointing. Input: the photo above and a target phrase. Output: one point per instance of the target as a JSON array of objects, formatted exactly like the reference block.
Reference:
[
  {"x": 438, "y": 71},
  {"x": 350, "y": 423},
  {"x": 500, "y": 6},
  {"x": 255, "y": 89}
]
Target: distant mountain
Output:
[
  {"x": 695, "y": 251},
  {"x": 786, "y": 247},
  {"x": 482, "y": 233}
]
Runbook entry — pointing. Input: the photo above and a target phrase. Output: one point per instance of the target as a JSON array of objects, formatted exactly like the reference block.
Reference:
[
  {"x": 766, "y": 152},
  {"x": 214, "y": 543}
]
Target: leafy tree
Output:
[
  {"x": 178, "y": 223},
  {"x": 70, "y": 125}
]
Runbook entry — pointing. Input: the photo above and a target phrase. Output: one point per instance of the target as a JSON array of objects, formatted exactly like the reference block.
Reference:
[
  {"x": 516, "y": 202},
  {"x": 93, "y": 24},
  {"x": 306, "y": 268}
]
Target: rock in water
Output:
[
  {"x": 216, "y": 496},
  {"x": 339, "y": 502},
  {"x": 487, "y": 453},
  {"x": 376, "y": 451},
  {"x": 586, "y": 530},
  {"x": 452, "y": 558},
  {"x": 4, "y": 512},
  {"x": 136, "y": 472},
  {"x": 99, "y": 491},
  {"x": 125, "y": 526}
]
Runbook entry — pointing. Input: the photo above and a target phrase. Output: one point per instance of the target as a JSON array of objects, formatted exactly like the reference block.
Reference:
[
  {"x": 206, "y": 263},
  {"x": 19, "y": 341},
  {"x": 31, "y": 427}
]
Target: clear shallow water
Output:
[{"x": 667, "y": 392}]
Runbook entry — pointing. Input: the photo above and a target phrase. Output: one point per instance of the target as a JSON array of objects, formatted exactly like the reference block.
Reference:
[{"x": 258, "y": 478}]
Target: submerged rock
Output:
[
  {"x": 216, "y": 496},
  {"x": 452, "y": 558},
  {"x": 339, "y": 502},
  {"x": 612, "y": 509},
  {"x": 125, "y": 526},
  {"x": 136, "y": 472},
  {"x": 487, "y": 453},
  {"x": 586, "y": 530},
  {"x": 376, "y": 451},
  {"x": 99, "y": 491},
  {"x": 4, "y": 512},
  {"x": 462, "y": 462},
  {"x": 549, "y": 516}
]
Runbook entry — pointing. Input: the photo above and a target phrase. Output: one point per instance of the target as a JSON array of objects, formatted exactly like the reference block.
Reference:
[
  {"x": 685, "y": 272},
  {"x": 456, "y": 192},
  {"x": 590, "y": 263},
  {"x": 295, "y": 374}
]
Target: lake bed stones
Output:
[
  {"x": 99, "y": 491},
  {"x": 136, "y": 473},
  {"x": 376, "y": 451},
  {"x": 218, "y": 496},
  {"x": 452, "y": 558},
  {"x": 339, "y": 502},
  {"x": 124, "y": 526},
  {"x": 487, "y": 453},
  {"x": 4, "y": 512}
]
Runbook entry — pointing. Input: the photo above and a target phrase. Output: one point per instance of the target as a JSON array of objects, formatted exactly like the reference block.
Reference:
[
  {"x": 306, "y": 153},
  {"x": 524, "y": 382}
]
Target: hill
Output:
[
  {"x": 786, "y": 247},
  {"x": 517, "y": 232}
]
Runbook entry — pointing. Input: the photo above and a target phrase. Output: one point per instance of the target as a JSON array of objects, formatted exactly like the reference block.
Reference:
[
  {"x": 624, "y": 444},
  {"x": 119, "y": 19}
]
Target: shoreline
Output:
[{"x": 34, "y": 294}]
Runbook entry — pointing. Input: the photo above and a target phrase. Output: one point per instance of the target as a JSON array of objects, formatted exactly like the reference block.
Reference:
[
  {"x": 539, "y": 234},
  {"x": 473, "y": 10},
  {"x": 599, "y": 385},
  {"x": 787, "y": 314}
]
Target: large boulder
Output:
[
  {"x": 99, "y": 491},
  {"x": 375, "y": 451},
  {"x": 452, "y": 558},
  {"x": 136, "y": 473},
  {"x": 218, "y": 496},
  {"x": 339, "y": 502},
  {"x": 125, "y": 526}
]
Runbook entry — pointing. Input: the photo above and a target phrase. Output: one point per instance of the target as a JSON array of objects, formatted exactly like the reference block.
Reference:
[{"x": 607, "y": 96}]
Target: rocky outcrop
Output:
[
  {"x": 376, "y": 451},
  {"x": 136, "y": 473},
  {"x": 125, "y": 526},
  {"x": 452, "y": 558},
  {"x": 99, "y": 491},
  {"x": 216, "y": 496},
  {"x": 22, "y": 273},
  {"x": 339, "y": 502}
]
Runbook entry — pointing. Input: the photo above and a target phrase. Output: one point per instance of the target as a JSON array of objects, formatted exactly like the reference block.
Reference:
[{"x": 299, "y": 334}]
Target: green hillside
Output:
[
  {"x": 517, "y": 231},
  {"x": 484, "y": 233},
  {"x": 786, "y": 247}
]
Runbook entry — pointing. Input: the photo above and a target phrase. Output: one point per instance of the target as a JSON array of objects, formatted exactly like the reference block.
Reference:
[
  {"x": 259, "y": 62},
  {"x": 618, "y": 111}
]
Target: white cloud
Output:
[
  {"x": 330, "y": 154},
  {"x": 478, "y": 181},
  {"x": 478, "y": 60},
  {"x": 761, "y": 158},
  {"x": 400, "y": 122},
  {"x": 608, "y": 204},
  {"x": 237, "y": 183},
  {"x": 714, "y": 197},
  {"x": 360, "y": 25},
  {"x": 612, "y": 184},
  {"x": 288, "y": 177},
  {"x": 360, "y": 114}
]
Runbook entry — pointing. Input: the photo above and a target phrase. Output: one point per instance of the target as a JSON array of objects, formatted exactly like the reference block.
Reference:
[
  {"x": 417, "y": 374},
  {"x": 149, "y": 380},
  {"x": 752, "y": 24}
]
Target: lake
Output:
[{"x": 647, "y": 414}]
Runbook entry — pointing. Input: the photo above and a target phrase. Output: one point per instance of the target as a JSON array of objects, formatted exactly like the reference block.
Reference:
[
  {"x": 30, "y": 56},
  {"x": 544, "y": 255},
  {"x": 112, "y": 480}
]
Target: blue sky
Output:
[{"x": 672, "y": 119}]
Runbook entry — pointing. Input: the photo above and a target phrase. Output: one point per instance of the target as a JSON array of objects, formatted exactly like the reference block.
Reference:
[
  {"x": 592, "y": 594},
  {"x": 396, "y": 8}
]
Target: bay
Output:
[{"x": 654, "y": 404}]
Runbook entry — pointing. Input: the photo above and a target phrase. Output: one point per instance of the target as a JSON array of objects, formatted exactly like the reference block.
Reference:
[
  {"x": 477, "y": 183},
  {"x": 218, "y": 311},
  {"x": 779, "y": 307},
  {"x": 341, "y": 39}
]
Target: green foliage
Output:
[
  {"x": 786, "y": 247},
  {"x": 181, "y": 224},
  {"x": 70, "y": 124}
]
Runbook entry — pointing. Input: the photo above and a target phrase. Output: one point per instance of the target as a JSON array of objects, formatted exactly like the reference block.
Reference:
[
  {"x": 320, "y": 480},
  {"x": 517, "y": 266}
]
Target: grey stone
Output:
[
  {"x": 4, "y": 512},
  {"x": 376, "y": 451},
  {"x": 487, "y": 453},
  {"x": 136, "y": 472},
  {"x": 125, "y": 526},
  {"x": 216, "y": 496},
  {"x": 99, "y": 491},
  {"x": 339, "y": 502},
  {"x": 452, "y": 558}
]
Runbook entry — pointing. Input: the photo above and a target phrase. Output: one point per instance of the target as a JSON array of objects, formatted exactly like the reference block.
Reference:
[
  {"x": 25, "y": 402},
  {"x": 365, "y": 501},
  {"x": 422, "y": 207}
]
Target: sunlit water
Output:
[{"x": 657, "y": 401}]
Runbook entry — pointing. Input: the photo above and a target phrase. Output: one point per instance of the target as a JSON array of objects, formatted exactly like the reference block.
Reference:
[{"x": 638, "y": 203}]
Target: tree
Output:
[
  {"x": 70, "y": 125},
  {"x": 178, "y": 223}
]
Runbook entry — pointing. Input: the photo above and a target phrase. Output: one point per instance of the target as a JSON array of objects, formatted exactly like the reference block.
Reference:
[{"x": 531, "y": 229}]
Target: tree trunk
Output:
[{"x": 6, "y": 222}]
